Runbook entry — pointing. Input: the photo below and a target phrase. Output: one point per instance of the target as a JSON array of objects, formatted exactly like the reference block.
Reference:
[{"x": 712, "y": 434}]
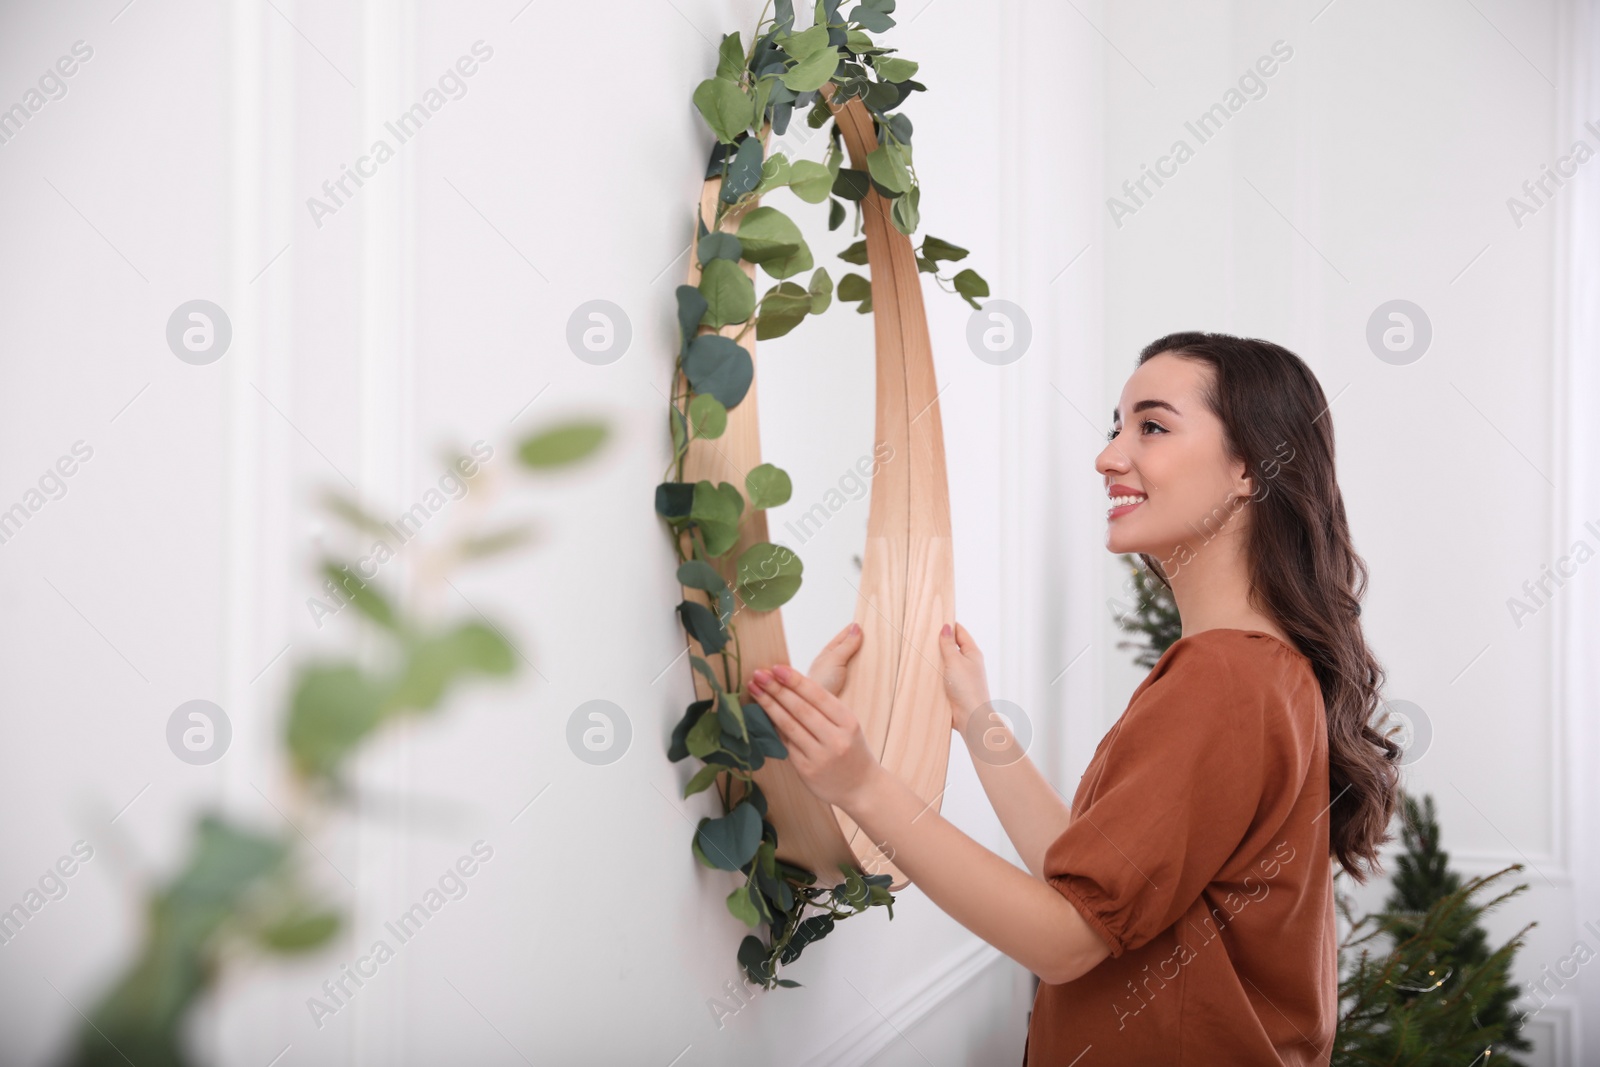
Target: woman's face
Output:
[{"x": 1168, "y": 448}]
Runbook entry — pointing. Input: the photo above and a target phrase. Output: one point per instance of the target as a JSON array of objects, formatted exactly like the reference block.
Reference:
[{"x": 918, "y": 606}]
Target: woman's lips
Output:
[{"x": 1121, "y": 510}]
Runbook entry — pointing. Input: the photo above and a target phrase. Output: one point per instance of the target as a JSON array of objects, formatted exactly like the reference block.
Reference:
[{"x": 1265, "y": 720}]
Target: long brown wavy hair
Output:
[{"x": 1304, "y": 572}]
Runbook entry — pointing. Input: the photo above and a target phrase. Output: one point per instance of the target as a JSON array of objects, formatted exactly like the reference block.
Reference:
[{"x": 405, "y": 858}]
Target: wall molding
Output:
[
  {"x": 387, "y": 463},
  {"x": 1561, "y": 1023},
  {"x": 863, "y": 1042},
  {"x": 1576, "y": 382}
]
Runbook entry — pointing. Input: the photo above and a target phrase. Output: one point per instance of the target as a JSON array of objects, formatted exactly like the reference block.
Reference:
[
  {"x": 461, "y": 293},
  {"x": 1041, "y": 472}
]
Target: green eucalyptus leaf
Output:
[
  {"x": 774, "y": 173},
  {"x": 763, "y": 94},
  {"x": 971, "y": 285},
  {"x": 851, "y": 184},
  {"x": 703, "y": 626},
  {"x": 882, "y": 96},
  {"x": 226, "y": 862},
  {"x": 935, "y": 249},
  {"x": 333, "y": 708},
  {"x": 694, "y": 843},
  {"x": 434, "y": 663},
  {"x": 813, "y": 72},
  {"x": 811, "y": 181},
  {"x": 730, "y": 716},
  {"x": 770, "y": 238},
  {"x": 836, "y": 214},
  {"x": 858, "y": 42},
  {"x": 857, "y": 254},
  {"x": 300, "y": 932},
  {"x": 763, "y": 734},
  {"x": 363, "y": 595},
  {"x": 680, "y": 437},
  {"x": 820, "y": 291},
  {"x": 715, "y": 246},
  {"x": 783, "y": 308},
  {"x": 710, "y": 417},
  {"x": 698, "y": 574},
  {"x": 730, "y": 297},
  {"x": 719, "y": 365},
  {"x": 730, "y": 57},
  {"x": 703, "y": 779},
  {"x": 768, "y": 575},
  {"x": 730, "y": 841},
  {"x": 716, "y": 512},
  {"x": 767, "y": 486},
  {"x": 803, "y": 45},
  {"x": 479, "y": 546},
  {"x": 561, "y": 445},
  {"x": 904, "y": 213},
  {"x": 705, "y": 734},
  {"x": 810, "y": 930},
  {"x": 725, "y": 107},
  {"x": 674, "y": 499},
  {"x": 691, "y": 306},
  {"x": 781, "y": 114},
  {"x": 353, "y": 513},
  {"x": 853, "y": 287},
  {"x": 767, "y": 57},
  {"x": 742, "y": 907},
  {"x": 888, "y": 168},
  {"x": 744, "y": 170},
  {"x": 874, "y": 20},
  {"x": 705, "y": 668},
  {"x": 895, "y": 70},
  {"x": 679, "y": 748}
]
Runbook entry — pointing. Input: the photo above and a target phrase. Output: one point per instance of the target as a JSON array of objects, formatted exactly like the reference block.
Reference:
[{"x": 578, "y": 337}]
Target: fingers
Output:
[
  {"x": 959, "y": 641},
  {"x": 852, "y": 630},
  {"x": 846, "y": 641},
  {"x": 843, "y": 645},
  {"x": 805, "y": 698},
  {"x": 794, "y": 734}
]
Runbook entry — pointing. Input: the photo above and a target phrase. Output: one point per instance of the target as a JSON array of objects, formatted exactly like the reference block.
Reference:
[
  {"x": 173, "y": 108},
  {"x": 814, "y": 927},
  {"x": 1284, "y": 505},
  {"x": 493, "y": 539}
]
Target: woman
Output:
[{"x": 1180, "y": 911}]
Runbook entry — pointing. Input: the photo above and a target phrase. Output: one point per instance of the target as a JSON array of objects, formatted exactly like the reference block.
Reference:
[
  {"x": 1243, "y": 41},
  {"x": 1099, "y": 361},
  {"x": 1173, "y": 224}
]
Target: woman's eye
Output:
[{"x": 1147, "y": 422}]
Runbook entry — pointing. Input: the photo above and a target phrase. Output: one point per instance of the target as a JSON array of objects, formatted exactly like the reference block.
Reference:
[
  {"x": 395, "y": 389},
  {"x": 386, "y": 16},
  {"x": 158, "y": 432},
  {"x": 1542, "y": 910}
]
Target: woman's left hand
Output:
[{"x": 827, "y": 746}]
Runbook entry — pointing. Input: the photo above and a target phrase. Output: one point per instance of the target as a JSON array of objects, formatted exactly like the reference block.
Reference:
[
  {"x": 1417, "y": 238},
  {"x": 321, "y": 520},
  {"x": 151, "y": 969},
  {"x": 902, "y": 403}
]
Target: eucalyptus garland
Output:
[{"x": 755, "y": 89}]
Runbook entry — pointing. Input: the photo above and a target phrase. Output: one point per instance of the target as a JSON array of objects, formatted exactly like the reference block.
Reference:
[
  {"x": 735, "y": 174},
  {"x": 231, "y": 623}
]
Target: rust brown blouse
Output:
[{"x": 1198, "y": 851}]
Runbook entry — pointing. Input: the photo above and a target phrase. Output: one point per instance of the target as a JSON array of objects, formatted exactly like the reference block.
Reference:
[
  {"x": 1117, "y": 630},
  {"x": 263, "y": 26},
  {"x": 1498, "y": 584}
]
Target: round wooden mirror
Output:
[{"x": 906, "y": 589}]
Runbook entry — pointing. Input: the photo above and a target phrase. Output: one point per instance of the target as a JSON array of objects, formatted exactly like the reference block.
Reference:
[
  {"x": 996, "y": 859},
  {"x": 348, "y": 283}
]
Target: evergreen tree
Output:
[
  {"x": 1440, "y": 990},
  {"x": 1152, "y": 614},
  {"x": 1407, "y": 999}
]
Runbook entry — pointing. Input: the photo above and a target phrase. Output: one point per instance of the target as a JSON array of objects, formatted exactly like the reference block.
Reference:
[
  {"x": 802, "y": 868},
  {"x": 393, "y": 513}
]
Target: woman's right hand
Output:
[{"x": 965, "y": 682}]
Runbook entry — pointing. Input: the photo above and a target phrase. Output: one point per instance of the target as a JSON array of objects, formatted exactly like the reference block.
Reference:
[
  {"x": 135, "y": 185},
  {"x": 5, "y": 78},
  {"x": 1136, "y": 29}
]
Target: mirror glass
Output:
[{"x": 816, "y": 387}]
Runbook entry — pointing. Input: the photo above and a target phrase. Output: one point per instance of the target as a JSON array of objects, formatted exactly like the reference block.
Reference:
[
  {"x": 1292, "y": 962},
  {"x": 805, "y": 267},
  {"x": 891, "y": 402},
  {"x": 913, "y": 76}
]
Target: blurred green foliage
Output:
[{"x": 242, "y": 891}]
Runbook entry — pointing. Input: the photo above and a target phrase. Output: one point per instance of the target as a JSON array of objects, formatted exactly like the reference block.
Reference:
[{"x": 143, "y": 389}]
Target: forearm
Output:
[
  {"x": 1020, "y": 915},
  {"x": 1033, "y": 813}
]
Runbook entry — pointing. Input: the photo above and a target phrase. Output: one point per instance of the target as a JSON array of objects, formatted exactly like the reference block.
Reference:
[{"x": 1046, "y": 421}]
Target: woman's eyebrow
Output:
[{"x": 1116, "y": 413}]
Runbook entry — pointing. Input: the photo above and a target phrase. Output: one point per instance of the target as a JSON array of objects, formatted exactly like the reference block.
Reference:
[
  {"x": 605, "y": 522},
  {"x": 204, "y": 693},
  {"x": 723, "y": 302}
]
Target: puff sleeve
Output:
[{"x": 1168, "y": 798}]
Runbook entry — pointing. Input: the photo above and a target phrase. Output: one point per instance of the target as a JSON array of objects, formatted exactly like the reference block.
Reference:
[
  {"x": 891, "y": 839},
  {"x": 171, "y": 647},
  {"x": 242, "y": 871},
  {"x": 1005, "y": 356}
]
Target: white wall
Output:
[
  {"x": 1377, "y": 166},
  {"x": 432, "y": 307}
]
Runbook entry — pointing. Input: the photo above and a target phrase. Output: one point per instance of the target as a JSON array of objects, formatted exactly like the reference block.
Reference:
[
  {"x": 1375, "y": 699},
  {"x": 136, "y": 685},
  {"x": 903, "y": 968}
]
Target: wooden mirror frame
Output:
[{"x": 907, "y": 590}]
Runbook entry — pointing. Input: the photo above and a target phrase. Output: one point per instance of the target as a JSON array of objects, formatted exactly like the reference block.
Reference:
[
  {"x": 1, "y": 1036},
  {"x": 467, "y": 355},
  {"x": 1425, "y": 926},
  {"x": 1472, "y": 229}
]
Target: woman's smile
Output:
[{"x": 1123, "y": 500}]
